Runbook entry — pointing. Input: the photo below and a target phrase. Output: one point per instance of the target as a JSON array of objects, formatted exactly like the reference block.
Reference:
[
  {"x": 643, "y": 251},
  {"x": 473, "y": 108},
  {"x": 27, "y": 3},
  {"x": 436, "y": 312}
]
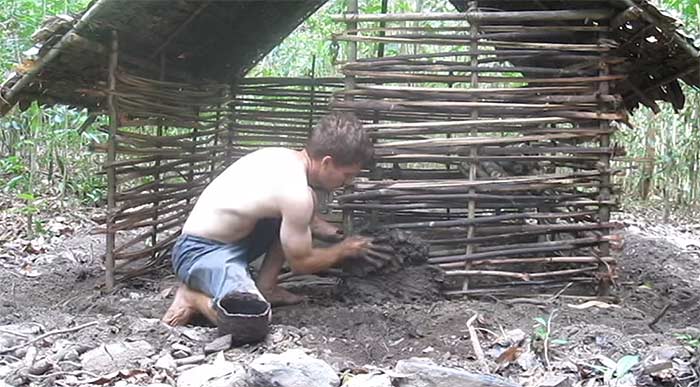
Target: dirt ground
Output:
[{"x": 659, "y": 269}]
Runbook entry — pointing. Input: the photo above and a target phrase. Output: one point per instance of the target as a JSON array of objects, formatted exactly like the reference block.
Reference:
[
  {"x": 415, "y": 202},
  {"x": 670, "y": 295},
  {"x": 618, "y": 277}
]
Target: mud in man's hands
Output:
[{"x": 385, "y": 252}]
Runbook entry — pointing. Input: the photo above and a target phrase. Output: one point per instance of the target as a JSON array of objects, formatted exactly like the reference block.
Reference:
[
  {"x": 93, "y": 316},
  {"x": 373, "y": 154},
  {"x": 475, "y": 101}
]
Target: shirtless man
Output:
[{"x": 264, "y": 204}]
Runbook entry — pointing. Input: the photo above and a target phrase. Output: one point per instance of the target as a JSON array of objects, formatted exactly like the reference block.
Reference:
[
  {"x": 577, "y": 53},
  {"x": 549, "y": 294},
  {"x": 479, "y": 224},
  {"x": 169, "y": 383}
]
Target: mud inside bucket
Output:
[{"x": 245, "y": 316}]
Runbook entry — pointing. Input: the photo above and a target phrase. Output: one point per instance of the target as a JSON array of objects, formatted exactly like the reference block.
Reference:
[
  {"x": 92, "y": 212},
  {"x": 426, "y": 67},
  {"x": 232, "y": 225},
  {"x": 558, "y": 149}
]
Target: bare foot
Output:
[
  {"x": 280, "y": 296},
  {"x": 181, "y": 310}
]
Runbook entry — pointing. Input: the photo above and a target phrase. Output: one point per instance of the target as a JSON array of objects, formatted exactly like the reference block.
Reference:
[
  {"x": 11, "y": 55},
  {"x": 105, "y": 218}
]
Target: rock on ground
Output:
[
  {"x": 293, "y": 368},
  {"x": 221, "y": 373},
  {"x": 369, "y": 380},
  {"x": 115, "y": 356},
  {"x": 422, "y": 372}
]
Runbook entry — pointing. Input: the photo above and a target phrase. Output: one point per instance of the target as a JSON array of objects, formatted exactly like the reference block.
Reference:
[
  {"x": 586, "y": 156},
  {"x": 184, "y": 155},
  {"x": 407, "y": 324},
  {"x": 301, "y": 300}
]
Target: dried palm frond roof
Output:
[
  {"x": 649, "y": 46},
  {"x": 220, "y": 40},
  {"x": 216, "y": 40}
]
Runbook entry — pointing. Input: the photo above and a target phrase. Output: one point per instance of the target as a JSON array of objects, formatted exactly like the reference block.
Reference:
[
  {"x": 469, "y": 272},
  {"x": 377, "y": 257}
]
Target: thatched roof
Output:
[
  {"x": 216, "y": 40},
  {"x": 651, "y": 48},
  {"x": 220, "y": 40}
]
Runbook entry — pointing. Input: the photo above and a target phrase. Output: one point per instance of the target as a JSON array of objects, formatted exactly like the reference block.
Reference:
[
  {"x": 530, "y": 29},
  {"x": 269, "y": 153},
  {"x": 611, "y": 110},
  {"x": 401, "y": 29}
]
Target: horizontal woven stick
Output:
[
  {"x": 467, "y": 53},
  {"x": 522, "y": 276},
  {"x": 141, "y": 223},
  {"x": 467, "y": 123},
  {"x": 170, "y": 123},
  {"x": 454, "y": 255},
  {"x": 457, "y": 262},
  {"x": 485, "y": 204},
  {"x": 505, "y": 90},
  {"x": 493, "y": 151},
  {"x": 435, "y": 184},
  {"x": 483, "y": 18},
  {"x": 132, "y": 256},
  {"x": 587, "y": 100},
  {"x": 490, "y": 219},
  {"x": 466, "y": 40},
  {"x": 422, "y": 157},
  {"x": 388, "y": 76},
  {"x": 485, "y": 140},
  {"x": 457, "y": 67},
  {"x": 507, "y": 288},
  {"x": 399, "y": 196},
  {"x": 494, "y": 109},
  {"x": 169, "y": 224},
  {"x": 543, "y": 260},
  {"x": 503, "y": 28},
  {"x": 521, "y": 188}
]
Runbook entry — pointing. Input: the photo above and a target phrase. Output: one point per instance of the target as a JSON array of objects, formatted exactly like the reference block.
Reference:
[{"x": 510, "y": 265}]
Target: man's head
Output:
[{"x": 338, "y": 147}]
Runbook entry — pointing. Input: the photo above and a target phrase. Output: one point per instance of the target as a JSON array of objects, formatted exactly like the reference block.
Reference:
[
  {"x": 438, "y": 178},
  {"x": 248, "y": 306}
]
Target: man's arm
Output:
[
  {"x": 325, "y": 231},
  {"x": 295, "y": 235}
]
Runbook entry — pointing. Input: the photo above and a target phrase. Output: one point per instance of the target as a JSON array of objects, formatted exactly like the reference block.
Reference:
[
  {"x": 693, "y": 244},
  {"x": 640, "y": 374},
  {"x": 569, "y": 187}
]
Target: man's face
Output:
[{"x": 332, "y": 175}]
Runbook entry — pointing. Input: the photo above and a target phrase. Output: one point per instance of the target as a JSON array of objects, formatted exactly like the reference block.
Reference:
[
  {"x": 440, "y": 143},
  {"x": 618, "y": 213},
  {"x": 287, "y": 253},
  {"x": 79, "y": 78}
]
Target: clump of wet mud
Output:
[
  {"x": 406, "y": 278},
  {"x": 402, "y": 247}
]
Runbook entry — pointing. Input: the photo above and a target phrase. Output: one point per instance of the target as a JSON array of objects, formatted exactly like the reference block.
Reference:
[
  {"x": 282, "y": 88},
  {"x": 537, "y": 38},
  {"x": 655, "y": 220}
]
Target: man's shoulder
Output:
[{"x": 274, "y": 152}]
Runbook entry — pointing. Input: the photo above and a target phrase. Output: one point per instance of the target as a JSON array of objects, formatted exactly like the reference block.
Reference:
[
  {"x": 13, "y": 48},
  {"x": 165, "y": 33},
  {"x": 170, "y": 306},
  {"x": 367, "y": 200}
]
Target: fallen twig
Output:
[
  {"x": 47, "y": 334},
  {"x": 559, "y": 293},
  {"x": 14, "y": 333},
  {"x": 659, "y": 316},
  {"x": 61, "y": 373},
  {"x": 194, "y": 359},
  {"x": 475, "y": 343},
  {"x": 546, "y": 340}
]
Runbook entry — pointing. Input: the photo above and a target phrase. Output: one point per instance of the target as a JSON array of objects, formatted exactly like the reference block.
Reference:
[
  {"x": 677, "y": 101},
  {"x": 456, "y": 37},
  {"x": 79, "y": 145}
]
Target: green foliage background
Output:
[{"x": 42, "y": 154}]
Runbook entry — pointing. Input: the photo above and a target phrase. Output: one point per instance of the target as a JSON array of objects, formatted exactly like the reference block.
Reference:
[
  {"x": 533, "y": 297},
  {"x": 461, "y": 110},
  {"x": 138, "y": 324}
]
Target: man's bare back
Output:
[{"x": 254, "y": 187}]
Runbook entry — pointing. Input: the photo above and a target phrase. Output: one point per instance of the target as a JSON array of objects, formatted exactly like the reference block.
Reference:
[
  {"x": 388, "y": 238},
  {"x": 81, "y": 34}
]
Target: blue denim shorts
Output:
[{"x": 218, "y": 269}]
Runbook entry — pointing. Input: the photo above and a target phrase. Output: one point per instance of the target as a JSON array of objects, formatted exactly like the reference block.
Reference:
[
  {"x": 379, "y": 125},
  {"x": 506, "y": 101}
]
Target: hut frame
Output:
[{"x": 494, "y": 145}]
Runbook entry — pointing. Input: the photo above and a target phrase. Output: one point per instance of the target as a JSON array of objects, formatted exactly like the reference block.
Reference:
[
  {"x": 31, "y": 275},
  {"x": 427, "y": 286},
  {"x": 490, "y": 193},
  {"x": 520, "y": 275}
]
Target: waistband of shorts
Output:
[{"x": 198, "y": 239}]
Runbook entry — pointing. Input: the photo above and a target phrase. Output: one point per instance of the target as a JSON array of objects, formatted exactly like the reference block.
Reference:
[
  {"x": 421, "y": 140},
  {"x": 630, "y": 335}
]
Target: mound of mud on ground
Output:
[
  {"x": 404, "y": 279},
  {"x": 413, "y": 284}
]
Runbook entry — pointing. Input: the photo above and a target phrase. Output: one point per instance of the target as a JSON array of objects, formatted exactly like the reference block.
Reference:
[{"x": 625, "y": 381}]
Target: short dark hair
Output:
[{"x": 341, "y": 136}]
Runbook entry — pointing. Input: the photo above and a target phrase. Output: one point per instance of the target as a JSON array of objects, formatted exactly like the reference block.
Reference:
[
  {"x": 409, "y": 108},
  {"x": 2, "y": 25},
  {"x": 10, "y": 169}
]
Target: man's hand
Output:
[{"x": 357, "y": 247}]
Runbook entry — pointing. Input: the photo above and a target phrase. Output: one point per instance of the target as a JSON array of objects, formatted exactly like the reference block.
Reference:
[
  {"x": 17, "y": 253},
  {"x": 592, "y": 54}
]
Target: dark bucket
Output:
[{"x": 245, "y": 316}]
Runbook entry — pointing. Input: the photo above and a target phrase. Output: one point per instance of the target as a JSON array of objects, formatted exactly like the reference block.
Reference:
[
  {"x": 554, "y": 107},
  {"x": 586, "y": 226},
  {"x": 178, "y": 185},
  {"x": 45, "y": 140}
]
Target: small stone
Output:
[
  {"x": 40, "y": 367},
  {"x": 668, "y": 353},
  {"x": 115, "y": 356},
  {"x": 422, "y": 372},
  {"x": 553, "y": 380},
  {"x": 220, "y": 344},
  {"x": 180, "y": 351},
  {"x": 369, "y": 380},
  {"x": 166, "y": 362},
  {"x": 527, "y": 360},
  {"x": 293, "y": 368},
  {"x": 220, "y": 374}
]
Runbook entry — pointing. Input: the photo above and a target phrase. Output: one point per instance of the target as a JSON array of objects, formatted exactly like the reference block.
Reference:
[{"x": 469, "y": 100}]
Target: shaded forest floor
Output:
[{"x": 53, "y": 283}]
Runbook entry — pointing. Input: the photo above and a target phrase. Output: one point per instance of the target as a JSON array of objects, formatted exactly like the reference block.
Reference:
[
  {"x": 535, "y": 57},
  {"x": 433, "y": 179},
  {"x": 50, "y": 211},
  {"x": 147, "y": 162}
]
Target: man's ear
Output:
[{"x": 327, "y": 160}]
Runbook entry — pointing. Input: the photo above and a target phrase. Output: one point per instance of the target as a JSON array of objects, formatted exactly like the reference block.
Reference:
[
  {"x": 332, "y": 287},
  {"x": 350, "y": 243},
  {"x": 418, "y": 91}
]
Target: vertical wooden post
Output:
[
  {"x": 312, "y": 93},
  {"x": 350, "y": 85},
  {"x": 157, "y": 174},
  {"x": 605, "y": 189},
  {"x": 231, "y": 124},
  {"x": 382, "y": 24},
  {"x": 471, "y": 207},
  {"x": 111, "y": 157}
]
